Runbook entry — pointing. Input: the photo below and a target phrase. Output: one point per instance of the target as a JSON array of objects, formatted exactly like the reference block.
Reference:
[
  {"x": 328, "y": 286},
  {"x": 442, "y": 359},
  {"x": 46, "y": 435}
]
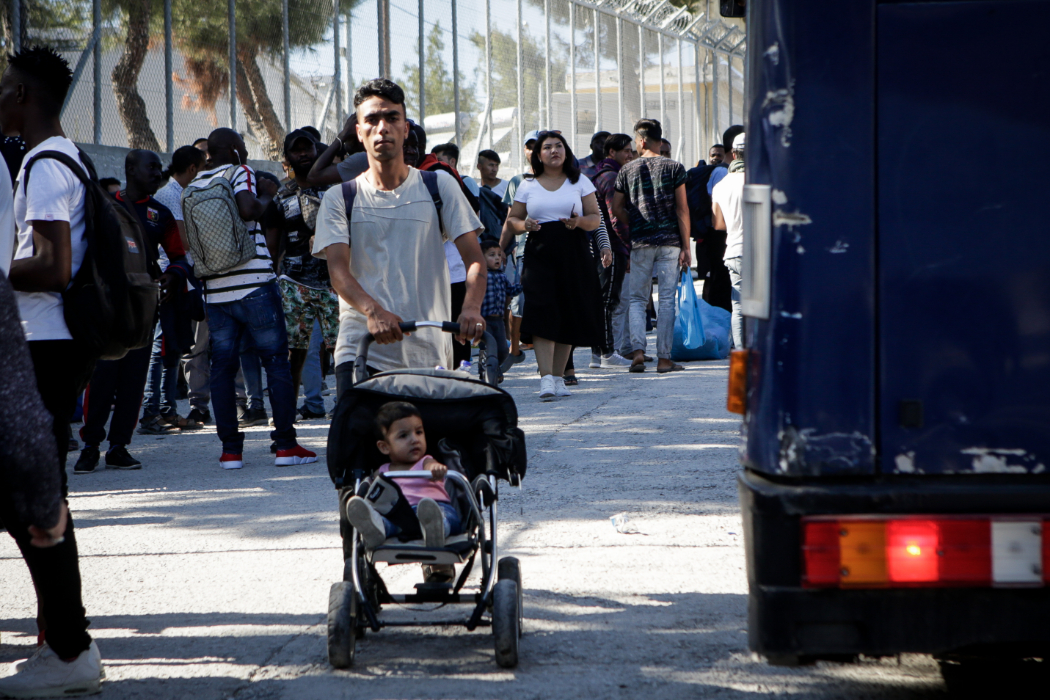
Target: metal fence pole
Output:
[
  {"x": 663, "y": 96},
  {"x": 285, "y": 69},
  {"x": 548, "y": 123},
  {"x": 232, "y": 21},
  {"x": 96, "y": 22},
  {"x": 714, "y": 96},
  {"x": 520, "y": 92},
  {"x": 383, "y": 26},
  {"x": 488, "y": 70},
  {"x": 16, "y": 26},
  {"x": 641, "y": 72},
  {"x": 597, "y": 75},
  {"x": 338, "y": 68},
  {"x": 700, "y": 129},
  {"x": 455, "y": 75},
  {"x": 349, "y": 17},
  {"x": 619, "y": 72},
  {"x": 573, "y": 116},
  {"x": 681, "y": 107},
  {"x": 729, "y": 80},
  {"x": 422, "y": 66},
  {"x": 169, "y": 91}
]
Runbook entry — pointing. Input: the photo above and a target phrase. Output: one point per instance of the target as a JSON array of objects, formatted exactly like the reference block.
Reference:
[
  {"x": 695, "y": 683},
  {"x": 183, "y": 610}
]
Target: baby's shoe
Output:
[
  {"x": 367, "y": 521},
  {"x": 432, "y": 520}
]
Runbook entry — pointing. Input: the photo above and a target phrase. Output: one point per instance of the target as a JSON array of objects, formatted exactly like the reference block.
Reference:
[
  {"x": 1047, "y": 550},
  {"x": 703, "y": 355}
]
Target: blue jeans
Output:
[
  {"x": 259, "y": 318},
  {"x": 161, "y": 382},
  {"x": 734, "y": 266},
  {"x": 312, "y": 372},
  {"x": 648, "y": 262},
  {"x": 453, "y": 525},
  {"x": 251, "y": 370}
]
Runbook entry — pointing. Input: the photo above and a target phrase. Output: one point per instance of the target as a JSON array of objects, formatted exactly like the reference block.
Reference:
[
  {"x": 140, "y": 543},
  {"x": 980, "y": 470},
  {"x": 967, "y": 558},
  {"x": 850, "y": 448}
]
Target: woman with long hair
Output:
[{"x": 557, "y": 207}]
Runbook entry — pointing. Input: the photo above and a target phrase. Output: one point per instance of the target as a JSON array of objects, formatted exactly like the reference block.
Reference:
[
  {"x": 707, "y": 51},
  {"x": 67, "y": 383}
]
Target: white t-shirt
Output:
[
  {"x": 500, "y": 188},
  {"x": 396, "y": 255},
  {"x": 249, "y": 276},
  {"x": 7, "y": 219},
  {"x": 728, "y": 194},
  {"x": 544, "y": 205},
  {"x": 54, "y": 194}
]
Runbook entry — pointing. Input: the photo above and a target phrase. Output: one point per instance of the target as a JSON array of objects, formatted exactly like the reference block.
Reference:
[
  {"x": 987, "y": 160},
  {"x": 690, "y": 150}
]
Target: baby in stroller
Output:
[{"x": 402, "y": 439}]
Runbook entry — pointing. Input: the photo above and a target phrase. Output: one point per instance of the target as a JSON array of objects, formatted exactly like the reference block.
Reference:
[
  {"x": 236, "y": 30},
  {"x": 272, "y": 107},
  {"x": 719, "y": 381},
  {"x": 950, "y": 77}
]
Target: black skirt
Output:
[{"x": 562, "y": 292}]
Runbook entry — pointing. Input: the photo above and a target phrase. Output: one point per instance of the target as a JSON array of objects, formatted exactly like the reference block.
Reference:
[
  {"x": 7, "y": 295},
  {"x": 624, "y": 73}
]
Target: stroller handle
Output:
[
  {"x": 414, "y": 474},
  {"x": 487, "y": 369}
]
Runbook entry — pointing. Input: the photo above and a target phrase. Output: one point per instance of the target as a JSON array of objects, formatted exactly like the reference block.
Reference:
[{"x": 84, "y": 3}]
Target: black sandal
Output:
[{"x": 571, "y": 380}]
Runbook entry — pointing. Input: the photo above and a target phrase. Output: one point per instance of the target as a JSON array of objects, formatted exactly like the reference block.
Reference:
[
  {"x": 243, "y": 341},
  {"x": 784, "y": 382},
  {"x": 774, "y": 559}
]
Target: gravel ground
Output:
[{"x": 213, "y": 584}]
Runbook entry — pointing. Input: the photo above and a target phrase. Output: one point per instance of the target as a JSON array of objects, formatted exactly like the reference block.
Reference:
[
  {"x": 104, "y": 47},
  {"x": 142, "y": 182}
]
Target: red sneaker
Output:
[
  {"x": 231, "y": 461},
  {"x": 296, "y": 455}
]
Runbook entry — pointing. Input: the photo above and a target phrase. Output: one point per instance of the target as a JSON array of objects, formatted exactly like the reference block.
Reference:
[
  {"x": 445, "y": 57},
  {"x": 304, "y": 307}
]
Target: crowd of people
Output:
[{"x": 360, "y": 235}]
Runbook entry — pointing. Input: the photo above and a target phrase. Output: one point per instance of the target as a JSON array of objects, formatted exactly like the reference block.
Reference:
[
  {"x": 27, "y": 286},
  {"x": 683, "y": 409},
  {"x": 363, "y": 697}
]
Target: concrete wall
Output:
[{"x": 109, "y": 161}]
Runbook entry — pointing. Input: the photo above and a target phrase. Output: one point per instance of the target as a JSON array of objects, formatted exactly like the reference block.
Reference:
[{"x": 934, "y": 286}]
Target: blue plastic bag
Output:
[{"x": 701, "y": 331}]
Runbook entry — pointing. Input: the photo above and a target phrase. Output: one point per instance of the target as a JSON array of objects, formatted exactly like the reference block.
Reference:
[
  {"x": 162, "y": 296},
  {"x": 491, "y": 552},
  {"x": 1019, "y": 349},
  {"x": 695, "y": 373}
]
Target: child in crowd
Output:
[
  {"x": 402, "y": 439},
  {"x": 497, "y": 291}
]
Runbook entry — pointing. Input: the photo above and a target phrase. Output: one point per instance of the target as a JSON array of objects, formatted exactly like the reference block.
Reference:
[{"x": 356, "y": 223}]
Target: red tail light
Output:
[{"x": 908, "y": 551}]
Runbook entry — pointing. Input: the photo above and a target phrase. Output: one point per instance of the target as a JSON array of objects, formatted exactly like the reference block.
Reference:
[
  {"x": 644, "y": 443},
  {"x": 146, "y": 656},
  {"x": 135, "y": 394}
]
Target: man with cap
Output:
[
  {"x": 306, "y": 291},
  {"x": 515, "y": 248},
  {"x": 727, "y": 204}
]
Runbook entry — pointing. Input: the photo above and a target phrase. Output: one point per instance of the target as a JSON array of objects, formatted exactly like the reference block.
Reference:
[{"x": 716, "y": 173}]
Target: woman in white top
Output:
[{"x": 557, "y": 207}]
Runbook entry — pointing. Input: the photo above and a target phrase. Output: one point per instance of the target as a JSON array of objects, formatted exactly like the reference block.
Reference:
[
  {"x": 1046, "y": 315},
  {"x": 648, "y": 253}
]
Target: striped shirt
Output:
[{"x": 249, "y": 276}]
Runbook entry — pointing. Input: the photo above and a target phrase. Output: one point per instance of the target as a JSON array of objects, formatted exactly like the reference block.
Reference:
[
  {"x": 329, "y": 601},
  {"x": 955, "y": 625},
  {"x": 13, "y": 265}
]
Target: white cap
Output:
[{"x": 738, "y": 143}]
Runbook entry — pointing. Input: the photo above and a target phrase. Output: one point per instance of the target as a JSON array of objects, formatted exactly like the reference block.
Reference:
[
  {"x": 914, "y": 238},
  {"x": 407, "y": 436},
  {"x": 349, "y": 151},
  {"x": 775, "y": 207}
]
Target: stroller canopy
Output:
[{"x": 478, "y": 419}]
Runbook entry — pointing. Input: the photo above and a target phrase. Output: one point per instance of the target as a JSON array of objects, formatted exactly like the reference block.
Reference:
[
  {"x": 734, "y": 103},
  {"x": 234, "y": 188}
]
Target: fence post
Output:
[
  {"x": 285, "y": 69},
  {"x": 700, "y": 130},
  {"x": 169, "y": 93},
  {"x": 681, "y": 106},
  {"x": 384, "y": 38},
  {"x": 547, "y": 63},
  {"x": 338, "y": 68},
  {"x": 714, "y": 95},
  {"x": 422, "y": 66},
  {"x": 488, "y": 69},
  {"x": 572, "y": 75},
  {"x": 641, "y": 71},
  {"x": 520, "y": 91},
  {"x": 96, "y": 22},
  {"x": 455, "y": 75},
  {"x": 16, "y": 25},
  {"x": 663, "y": 79},
  {"x": 232, "y": 21},
  {"x": 619, "y": 72},
  {"x": 597, "y": 75},
  {"x": 729, "y": 80}
]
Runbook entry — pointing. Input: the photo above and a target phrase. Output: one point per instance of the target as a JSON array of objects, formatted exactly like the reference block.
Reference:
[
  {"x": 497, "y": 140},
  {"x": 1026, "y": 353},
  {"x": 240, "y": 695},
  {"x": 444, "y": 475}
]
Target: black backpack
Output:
[
  {"x": 493, "y": 213},
  {"x": 430, "y": 179},
  {"x": 111, "y": 304},
  {"x": 697, "y": 197}
]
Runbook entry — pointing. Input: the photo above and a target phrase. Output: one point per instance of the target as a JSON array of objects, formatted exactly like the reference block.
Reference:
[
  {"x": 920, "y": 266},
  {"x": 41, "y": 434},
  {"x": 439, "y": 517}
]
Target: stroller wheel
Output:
[
  {"x": 505, "y": 626},
  {"x": 510, "y": 568},
  {"x": 342, "y": 619}
]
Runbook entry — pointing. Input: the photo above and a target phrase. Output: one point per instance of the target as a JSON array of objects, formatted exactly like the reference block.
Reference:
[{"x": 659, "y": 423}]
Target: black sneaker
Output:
[
  {"x": 273, "y": 448},
  {"x": 254, "y": 416},
  {"x": 307, "y": 414},
  {"x": 88, "y": 460},
  {"x": 118, "y": 458},
  {"x": 198, "y": 416},
  {"x": 242, "y": 408},
  {"x": 155, "y": 425}
]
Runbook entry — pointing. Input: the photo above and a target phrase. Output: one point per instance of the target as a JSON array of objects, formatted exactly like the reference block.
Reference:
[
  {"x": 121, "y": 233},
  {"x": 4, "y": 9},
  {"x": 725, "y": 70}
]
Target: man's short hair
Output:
[
  {"x": 599, "y": 137},
  {"x": 488, "y": 244},
  {"x": 450, "y": 150},
  {"x": 105, "y": 182},
  {"x": 731, "y": 133},
  {"x": 391, "y": 412},
  {"x": 716, "y": 145},
  {"x": 47, "y": 71},
  {"x": 312, "y": 131},
  {"x": 663, "y": 140},
  {"x": 380, "y": 87},
  {"x": 489, "y": 154},
  {"x": 649, "y": 129},
  {"x": 617, "y": 142},
  {"x": 202, "y": 138}
]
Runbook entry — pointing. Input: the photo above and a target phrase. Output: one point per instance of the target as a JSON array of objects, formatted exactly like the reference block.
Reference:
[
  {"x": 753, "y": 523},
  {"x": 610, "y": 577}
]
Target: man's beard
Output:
[{"x": 301, "y": 170}]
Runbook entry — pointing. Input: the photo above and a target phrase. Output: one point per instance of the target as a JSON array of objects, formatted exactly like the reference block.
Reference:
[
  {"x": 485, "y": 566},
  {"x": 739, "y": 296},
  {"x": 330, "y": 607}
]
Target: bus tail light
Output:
[
  {"x": 916, "y": 551},
  {"x": 738, "y": 361}
]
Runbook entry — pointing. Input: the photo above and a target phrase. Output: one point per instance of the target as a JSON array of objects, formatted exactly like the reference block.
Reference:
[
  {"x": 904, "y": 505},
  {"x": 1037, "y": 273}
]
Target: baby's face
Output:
[
  {"x": 405, "y": 442},
  {"x": 494, "y": 258}
]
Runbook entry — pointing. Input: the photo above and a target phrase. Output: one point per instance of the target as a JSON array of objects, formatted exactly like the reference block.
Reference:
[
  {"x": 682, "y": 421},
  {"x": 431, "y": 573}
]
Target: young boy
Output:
[
  {"x": 496, "y": 293},
  {"x": 402, "y": 439}
]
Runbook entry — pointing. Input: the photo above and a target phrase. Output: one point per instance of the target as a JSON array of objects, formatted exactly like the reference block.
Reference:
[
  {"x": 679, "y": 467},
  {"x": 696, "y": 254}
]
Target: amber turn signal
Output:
[{"x": 737, "y": 402}]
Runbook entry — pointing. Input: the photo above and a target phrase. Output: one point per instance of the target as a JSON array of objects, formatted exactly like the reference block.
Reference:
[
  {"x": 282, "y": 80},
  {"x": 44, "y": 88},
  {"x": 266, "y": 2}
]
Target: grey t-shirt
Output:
[
  {"x": 397, "y": 255},
  {"x": 353, "y": 166}
]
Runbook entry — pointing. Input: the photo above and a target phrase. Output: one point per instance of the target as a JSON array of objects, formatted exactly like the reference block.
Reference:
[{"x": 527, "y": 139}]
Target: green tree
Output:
[{"x": 438, "y": 88}]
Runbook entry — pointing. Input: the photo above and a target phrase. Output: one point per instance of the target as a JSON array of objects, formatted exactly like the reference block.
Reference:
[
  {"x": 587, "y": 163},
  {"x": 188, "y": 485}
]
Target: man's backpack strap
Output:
[
  {"x": 63, "y": 158},
  {"x": 349, "y": 195},
  {"x": 430, "y": 179}
]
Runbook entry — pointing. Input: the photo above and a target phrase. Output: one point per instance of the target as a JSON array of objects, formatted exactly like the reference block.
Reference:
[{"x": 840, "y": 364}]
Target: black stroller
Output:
[{"x": 471, "y": 426}]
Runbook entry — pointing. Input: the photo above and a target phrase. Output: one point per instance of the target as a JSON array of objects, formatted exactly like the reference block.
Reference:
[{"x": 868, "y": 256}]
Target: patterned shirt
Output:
[
  {"x": 496, "y": 292},
  {"x": 293, "y": 212},
  {"x": 649, "y": 185}
]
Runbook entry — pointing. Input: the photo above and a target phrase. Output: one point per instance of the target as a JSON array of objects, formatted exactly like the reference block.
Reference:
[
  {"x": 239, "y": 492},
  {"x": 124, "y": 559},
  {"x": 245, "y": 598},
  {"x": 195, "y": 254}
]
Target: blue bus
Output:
[{"x": 895, "y": 382}]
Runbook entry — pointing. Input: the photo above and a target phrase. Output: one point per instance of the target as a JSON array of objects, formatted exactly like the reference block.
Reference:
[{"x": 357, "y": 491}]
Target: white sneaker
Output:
[
  {"x": 547, "y": 387},
  {"x": 559, "y": 387},
  {"x": 596, "y": 361},
  {"x": 44, "y": 675},
  {"x": 615, "y": 360},
  {"x": 367, "y": 521},
  {"x": 432, "y": 522}
]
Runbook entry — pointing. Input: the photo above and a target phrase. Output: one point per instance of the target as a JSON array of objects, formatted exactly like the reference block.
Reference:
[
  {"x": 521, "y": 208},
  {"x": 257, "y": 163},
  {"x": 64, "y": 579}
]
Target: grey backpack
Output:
[{"x": 215, "y": 232}]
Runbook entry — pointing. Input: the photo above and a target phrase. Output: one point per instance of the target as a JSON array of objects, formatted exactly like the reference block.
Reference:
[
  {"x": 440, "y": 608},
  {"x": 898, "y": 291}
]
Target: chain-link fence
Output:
[{"x": 481, "y": 73}]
